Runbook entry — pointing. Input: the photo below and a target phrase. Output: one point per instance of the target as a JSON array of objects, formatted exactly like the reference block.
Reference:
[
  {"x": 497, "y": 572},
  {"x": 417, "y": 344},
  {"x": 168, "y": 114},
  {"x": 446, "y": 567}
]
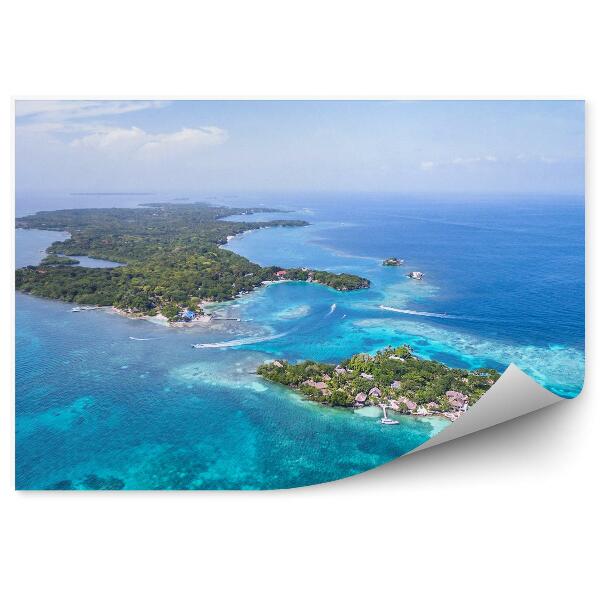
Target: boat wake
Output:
[
  {"x": 333, "y": 307},
  {"x": 419, "y": 313},
  {"x": 140, "y": 339},
  {"x": 241, "y": 341}
]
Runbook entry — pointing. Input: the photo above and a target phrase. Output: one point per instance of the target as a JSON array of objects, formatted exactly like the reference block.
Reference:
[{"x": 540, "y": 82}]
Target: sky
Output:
[{"x": 513, "y": 147}]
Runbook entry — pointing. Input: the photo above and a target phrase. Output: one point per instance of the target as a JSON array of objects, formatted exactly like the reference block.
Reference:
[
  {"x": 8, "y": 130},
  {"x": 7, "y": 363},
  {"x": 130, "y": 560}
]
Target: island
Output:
[
  {"x": 392, "y": 261},
  {"x": 393, "y": 377},
  {"x": 170, "y": 254},
  {"x": 415, "y": 275}
]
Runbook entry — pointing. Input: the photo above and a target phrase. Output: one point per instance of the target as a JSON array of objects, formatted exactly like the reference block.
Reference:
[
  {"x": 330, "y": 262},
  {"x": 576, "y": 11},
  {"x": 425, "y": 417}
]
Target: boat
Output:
[
  {"x": 226, "y": 318},
  {"x": 76, "y": 309},
  {"x": 415, "y": 275},
  {"x": 385, "y": 420}
]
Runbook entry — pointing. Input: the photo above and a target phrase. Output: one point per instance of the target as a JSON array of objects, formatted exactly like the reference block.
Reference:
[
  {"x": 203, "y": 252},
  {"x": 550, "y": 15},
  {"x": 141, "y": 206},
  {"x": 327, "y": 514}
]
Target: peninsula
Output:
[
  {"x": 171, "y": 258},
  {"x": 394, "y": 378}
]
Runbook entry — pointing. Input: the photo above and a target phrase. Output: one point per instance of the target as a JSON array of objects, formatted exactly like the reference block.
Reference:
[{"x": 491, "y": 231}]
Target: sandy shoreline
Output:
[{"x": 161, "y": 320}]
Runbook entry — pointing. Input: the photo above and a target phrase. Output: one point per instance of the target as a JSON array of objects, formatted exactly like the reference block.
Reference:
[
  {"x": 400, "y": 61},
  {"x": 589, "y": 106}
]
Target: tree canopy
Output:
[
  {"x": 396, "y": 373},
  {"x": 171, "y": 254}
]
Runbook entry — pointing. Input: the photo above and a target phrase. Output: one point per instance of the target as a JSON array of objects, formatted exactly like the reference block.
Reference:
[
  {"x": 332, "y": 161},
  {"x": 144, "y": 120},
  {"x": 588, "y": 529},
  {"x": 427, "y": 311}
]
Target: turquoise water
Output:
[
  {"x": 158, "y": 414},
  {"x": 504, "y": 282},
  {"x": 105, "y": 401}
]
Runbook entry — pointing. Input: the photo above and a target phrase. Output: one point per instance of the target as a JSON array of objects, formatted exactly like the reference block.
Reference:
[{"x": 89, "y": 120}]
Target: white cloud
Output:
[
  {"x": 65, "y": 110},
  {"x": 137, "y": 142},
  {"x": 59, "y": 127},
  {"x": 85, "y": 126},
  {"x": 428, "y": 165},
  {"x": 473, "y": 160},
  {"x": 549, "y": 160}
]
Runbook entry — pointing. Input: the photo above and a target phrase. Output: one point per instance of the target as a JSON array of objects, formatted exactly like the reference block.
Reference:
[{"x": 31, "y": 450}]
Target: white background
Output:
[{"x": 511, "y": 512}]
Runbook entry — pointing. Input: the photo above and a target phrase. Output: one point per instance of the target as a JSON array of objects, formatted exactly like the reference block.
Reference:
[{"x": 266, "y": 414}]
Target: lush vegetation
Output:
[
  {"x": 394, "y": 376},
  {"x": 339, "y": 281},
  {"x": 58, "y": 261},
  {"x": 171, "y": 254}
]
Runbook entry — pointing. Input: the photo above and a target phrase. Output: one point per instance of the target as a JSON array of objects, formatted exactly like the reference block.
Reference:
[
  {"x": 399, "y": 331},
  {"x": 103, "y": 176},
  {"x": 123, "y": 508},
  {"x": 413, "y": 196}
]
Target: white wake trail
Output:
[
  {"x": 419, "y": 313},
  {"x": 240, "y": 342}
]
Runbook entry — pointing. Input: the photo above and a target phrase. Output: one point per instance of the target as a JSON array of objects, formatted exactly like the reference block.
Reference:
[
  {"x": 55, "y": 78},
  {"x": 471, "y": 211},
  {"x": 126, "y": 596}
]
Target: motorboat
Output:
[{"x": 385, "y": 420}]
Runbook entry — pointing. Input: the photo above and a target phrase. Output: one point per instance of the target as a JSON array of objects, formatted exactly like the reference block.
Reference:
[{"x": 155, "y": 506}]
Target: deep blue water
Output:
[
  {"x": 504, "y": 279},
  {"x": 504, "y": 282}
]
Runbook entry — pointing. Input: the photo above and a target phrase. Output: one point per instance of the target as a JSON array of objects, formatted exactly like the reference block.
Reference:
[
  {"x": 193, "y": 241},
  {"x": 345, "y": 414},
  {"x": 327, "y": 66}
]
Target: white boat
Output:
[
  {"x": 76, "y": 309},
  {"x": 385, "y": 420}
]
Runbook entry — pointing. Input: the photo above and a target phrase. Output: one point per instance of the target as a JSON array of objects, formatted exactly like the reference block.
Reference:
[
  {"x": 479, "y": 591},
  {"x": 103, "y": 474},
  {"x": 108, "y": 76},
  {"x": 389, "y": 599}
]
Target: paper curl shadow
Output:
[{"x": 513, "y": 395}]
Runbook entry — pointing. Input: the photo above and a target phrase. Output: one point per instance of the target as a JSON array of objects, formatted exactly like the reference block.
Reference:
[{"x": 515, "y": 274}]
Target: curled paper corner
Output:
[{"x": 513, "y": 395}]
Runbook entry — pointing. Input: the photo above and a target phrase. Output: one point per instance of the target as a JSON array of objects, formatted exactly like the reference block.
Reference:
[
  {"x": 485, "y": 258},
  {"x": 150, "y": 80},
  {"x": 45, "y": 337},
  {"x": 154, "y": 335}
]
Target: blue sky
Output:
[{"x": 300, "y": 146}]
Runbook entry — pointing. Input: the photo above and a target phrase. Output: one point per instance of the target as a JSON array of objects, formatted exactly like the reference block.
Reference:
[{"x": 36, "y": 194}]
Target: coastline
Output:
[
  {"x": 375, "y": 411},
  {"x": 451, "y": 343},
  {"x": 204, "y": 319},
  {"x": 195, "y": 391},
  {"x": 161, "y": 320},
  {"x": 174, "y": 291},
  {"x": 186, "y": 405},
  {"x": 393, "y": 379},
  {"x": 442, "y": 416}
]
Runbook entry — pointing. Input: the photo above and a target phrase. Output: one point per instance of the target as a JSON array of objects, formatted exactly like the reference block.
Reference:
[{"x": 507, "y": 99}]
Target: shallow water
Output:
[
  {"x": 105, "y": 401},
  {"x": 159, "y": 414},
  {"x": 504, "y": 281}
]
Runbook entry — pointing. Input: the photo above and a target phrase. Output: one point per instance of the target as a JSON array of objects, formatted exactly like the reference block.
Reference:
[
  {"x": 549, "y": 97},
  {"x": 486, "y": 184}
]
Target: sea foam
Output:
[{"x": 420, "y": 313}]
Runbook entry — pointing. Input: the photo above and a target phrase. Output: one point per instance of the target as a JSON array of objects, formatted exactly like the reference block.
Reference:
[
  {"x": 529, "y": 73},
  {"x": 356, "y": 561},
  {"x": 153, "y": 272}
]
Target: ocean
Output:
[{"x": 108, "y": 402}]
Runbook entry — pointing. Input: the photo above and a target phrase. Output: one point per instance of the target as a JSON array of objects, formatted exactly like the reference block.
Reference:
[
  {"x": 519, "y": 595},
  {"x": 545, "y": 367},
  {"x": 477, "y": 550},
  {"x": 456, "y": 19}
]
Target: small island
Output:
[
  {"x": 415, "y": 275},
  {"x": 392, "y": 261},
  {"x": 171, "y": 259},
  {"x": 394, "y": 378}
]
